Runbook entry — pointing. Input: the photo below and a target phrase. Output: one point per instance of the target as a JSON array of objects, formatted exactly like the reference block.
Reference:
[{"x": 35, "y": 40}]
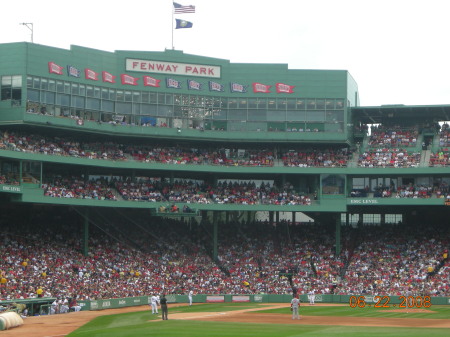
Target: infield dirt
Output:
[{"x": 62, "y": 325}]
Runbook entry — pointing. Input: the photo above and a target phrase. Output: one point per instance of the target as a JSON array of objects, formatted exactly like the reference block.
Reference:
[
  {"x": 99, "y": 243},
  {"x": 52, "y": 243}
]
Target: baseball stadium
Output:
[{"x": 229, "y": 188}]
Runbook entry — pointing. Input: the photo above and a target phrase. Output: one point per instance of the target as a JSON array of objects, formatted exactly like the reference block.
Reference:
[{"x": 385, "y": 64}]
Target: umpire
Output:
[{"x": 164, "y": 310}]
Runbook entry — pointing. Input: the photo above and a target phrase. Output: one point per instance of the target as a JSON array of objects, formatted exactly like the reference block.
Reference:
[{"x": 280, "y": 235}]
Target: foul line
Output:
[{"x": 220, "y": 313}]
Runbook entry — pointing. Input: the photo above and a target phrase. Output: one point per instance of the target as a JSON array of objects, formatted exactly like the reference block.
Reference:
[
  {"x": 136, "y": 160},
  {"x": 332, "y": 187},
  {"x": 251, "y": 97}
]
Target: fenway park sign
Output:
[{"x": 160, "y": 67}]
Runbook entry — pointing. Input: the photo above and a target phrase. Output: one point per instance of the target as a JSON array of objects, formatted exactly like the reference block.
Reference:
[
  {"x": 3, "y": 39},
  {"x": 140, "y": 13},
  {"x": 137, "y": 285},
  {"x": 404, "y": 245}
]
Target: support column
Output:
[
  {"x": 271, "y": 217},
  {"x": 20, "y": 172},
  {"x": 293, "y": 218},
  {"x": 41, "y": 174},
  {"x": 86, "y": 232},
  {"x": 215, "y": 234},
  {"x": 360, "y": 220},
  {"x": 338, "y": 235}
]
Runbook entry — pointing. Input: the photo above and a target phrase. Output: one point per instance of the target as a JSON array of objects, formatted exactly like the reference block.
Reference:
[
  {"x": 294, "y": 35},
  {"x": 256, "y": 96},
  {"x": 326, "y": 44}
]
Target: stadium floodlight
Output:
[{"x": 29, "y": 25}]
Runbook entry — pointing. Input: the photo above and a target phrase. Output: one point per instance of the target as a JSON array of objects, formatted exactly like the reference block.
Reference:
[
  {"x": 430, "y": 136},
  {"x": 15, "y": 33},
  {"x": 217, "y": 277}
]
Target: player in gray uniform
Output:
[{"x": 295, "y": 305}]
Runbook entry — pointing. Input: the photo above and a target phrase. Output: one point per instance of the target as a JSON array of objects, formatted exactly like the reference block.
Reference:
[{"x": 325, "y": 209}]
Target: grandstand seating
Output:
[{"x": 386, "y": 261}]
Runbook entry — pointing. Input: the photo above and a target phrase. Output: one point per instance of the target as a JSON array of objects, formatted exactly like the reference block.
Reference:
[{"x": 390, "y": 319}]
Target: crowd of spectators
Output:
[
  {"x": 394, "y": 260},
  {"x": 78, "y": 188},
  {"x": 410, "y": 190},
  {"x": 444, "y": 136},
  {"x": 60, "y": 146},
  {"x": 259, "y": 255},
  {"x": 8, "y": 180},
  {"x": 391, "y": 146},
  {"x": 247, "y": 193},
  {"x": 224, "y": 157},
  {"x": 388, "y": 146},
  {"x": 157, "y": 190},
  {"x": 186, "y": 191},
  {"x": 392, "y": 157},
  {"x": 43, "y": 258},
  {"x": 440, "y": 158},
  {"x": 172, "y": 154},
  {"x": 316, "y": 158},
  {"x": 384, "y": 136}
]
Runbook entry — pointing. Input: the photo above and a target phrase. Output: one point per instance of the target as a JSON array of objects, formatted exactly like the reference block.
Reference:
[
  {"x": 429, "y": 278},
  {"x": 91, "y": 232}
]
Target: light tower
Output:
[{"x": 29, "y": 25}]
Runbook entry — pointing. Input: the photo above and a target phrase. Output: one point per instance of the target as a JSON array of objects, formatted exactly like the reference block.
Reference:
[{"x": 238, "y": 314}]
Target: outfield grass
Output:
[
  {"x": 137, "y": 324},
  {"x": 437, "y": 312}
]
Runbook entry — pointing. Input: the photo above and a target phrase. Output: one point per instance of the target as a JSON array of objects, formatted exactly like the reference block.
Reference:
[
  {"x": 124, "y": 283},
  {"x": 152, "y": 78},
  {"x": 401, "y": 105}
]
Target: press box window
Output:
[{"x": 11, "y": 88}]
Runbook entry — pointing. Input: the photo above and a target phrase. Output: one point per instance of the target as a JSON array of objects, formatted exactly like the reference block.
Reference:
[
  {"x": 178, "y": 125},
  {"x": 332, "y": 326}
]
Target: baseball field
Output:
[{"x": 242, "y": 319}]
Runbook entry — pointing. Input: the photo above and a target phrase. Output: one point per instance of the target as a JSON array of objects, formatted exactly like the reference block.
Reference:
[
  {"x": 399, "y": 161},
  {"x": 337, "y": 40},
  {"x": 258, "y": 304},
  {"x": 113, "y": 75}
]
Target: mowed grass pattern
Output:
[
  {"x": 436, "y": 312},
  {"x": 142, "y": 324}
]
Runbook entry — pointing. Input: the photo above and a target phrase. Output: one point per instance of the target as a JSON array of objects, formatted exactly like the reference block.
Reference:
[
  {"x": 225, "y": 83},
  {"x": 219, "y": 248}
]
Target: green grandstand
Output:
[{"x": 196, "y": 138}]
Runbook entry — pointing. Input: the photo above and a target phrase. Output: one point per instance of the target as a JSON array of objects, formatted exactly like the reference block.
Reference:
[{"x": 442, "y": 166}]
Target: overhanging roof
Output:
[{"x": 385, "y": 113}]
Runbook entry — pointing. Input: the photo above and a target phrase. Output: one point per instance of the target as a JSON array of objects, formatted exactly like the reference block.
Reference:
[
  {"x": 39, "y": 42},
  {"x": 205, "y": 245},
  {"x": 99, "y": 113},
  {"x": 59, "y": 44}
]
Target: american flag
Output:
[{"x": 180, "y": 9}]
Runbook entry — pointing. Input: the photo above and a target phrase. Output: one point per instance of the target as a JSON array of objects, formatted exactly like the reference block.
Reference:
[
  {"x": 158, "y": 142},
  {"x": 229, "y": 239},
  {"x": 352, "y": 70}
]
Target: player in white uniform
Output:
[
  {"x": 54, "y": 308},
  {"x": 190, "y": 297},
  {"x": 311, "y": 297},
  {"x": 154, "y": 304},
  {"x": 295, "y": 304},
  {"x": 64, "y": 308}
]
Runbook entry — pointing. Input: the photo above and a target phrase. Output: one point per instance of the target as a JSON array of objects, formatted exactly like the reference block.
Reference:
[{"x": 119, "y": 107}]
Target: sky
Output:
[{"x": 398, "y": 51}]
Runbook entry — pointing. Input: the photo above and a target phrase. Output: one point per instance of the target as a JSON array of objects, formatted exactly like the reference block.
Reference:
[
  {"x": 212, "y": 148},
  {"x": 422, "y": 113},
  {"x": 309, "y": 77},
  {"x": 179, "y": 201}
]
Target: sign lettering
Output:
[{"x": 161, "y": 67}]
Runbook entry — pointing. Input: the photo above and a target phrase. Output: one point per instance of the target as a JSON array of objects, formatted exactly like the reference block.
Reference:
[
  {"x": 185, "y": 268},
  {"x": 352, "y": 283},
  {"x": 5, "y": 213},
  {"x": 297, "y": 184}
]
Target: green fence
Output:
[{"x": 351, "y": 300}]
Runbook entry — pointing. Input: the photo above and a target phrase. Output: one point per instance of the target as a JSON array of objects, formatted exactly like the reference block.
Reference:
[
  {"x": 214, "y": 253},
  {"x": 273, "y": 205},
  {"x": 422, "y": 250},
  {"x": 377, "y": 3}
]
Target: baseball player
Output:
[
  {"x": 154, "y": 304},
  {"x": 295, "y": 304},
  {"x": 64, "y": 308},
  {"x": 54, "y": 309},
  {"x": 73, "y": 304},
  {"x": 190, "y": 297},
  {"x": 311, "y": 297}
]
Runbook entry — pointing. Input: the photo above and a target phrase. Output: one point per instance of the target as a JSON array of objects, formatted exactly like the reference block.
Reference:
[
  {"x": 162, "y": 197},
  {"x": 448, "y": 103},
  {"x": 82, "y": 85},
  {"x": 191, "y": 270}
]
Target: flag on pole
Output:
[
  {"x": 183, "y": 24},
  {"x": 180, "y": 9}
]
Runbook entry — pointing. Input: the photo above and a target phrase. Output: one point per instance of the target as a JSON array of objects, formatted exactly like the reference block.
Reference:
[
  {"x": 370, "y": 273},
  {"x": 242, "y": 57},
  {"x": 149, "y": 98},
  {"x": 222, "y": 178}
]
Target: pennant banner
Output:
[
  {"x": 151, "y": 81},
  {"x": 284, "y": 88},
  {"x": 89, "y": 74},
  {"x": 129, "y": 80},
  {"x": 194, "y": 85},
  {"x": 171, "y": 83},
  {"x": 53, "y": 68},
  {"x": 72, "y": 71},
  {"x": 259, "y": 87},
  {"x": 108, "y": 77},
  {"x": 214, "y": 86},
  {"x": 236, "y": 87}
]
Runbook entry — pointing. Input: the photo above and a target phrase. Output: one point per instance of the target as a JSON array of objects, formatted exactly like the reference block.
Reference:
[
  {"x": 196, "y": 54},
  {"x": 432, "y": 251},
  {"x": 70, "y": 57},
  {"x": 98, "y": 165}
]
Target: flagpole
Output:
[{"x": 172, "y": 27}]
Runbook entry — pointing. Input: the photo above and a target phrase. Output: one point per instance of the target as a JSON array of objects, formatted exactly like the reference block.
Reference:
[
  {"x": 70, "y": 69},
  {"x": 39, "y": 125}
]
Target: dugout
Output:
[{"x": 35, "y": 306}]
